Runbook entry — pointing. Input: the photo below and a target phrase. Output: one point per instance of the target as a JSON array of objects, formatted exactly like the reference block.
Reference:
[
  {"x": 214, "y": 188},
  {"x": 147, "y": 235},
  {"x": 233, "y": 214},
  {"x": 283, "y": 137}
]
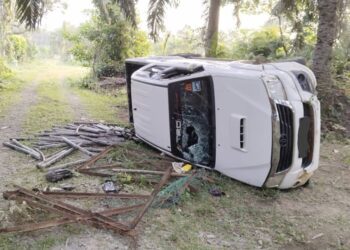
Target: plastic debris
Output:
[{"x": 109, "y": 187}]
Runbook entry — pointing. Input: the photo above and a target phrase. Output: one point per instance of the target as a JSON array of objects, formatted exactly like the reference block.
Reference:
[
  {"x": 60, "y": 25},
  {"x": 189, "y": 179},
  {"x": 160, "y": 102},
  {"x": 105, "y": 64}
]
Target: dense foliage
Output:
[
  {"x": 104, "y": 45},
  {"x": 17, "y": 48},
  {"x": 5, "y": 72}
]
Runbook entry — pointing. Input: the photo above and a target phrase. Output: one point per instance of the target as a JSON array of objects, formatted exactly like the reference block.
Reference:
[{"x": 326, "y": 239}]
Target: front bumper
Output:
[{"x": 294, "y": 172}]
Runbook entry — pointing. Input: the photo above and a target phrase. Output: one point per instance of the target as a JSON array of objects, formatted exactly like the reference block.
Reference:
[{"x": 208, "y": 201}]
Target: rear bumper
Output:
[{"x": 298, "y": 171}]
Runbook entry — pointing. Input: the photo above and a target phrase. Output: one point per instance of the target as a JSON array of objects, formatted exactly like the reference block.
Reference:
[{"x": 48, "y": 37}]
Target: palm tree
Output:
[
  {"x": 156, "y": 11},
  {"x": 30, "y": 12}
]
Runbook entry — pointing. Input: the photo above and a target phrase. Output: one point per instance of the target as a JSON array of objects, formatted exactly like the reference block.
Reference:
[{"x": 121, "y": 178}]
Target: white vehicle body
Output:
[{"x": 259, "y": 124}]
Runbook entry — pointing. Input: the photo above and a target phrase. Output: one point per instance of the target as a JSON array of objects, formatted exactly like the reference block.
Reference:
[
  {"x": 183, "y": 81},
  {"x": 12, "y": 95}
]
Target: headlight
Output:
[
  {"x": 274, "y": 87},
  {"x": 305, "y": 81}
]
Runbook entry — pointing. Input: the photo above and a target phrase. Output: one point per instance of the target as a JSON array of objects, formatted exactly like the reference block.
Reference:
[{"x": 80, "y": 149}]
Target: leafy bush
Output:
[
  {"x": 17, "y": 48},
  {"x": 266, "y": 42},
  {"x": 5, "y": 72},
  {"x": 105, "y": 45}
]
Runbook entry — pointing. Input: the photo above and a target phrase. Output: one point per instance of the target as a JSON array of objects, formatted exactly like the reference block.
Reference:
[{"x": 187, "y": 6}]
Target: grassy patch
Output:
[
  {"x": 103, "y": 107},
  {"x": 10, "y": 94},
  {"x": 50, "y": 109},
  {"x": 38, "y": 240}
]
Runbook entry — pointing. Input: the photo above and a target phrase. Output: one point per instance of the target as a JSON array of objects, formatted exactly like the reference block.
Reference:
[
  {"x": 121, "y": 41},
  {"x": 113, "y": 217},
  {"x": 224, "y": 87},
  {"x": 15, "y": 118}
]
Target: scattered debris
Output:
[
  {"x": 58, "y": 175},
  {"x": 72, "y": 214},
  {"x": 69, "y": 213},
  {"x": 171, "y": 195},
  {"x": 89, "y": 138},
  {"x": 215, "y": 191},
  {"x": 180, "y": 167},
  {"x": 109, "y": 187},
  {"x": 36, "y": 155},
  {"x": 317, "y": 236},
  {"x": 95, "y": 141},
  {"x": 110, "y": 83}
]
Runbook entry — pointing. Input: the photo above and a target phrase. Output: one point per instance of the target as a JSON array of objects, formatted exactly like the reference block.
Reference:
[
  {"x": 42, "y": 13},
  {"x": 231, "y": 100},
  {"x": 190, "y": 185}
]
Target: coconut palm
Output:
[
  {"x": 156, "y": 11},
  {"x": 30, "y": 12}
]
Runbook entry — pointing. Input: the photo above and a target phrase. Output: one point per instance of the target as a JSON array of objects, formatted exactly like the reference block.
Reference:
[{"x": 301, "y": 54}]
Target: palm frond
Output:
[
  {"x": 156, "y": 12},
  {"x": 30, "y": 12}
]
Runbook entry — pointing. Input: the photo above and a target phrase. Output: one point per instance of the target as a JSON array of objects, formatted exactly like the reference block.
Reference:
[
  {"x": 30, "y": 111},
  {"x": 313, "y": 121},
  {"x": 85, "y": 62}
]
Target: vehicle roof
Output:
[{"x": 208, "y": 63}]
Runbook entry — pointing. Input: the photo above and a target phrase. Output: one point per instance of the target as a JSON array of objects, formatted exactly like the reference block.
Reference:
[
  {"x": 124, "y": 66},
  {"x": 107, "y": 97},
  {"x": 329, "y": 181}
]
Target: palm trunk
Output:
[
  {"x": 211, "y": 41},
  {"x": 326, "y": 35}
]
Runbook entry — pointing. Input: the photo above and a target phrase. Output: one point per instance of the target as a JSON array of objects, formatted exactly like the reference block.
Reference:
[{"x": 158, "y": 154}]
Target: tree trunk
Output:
[
  {"x": 326, "y": 35},
  {"x": 211, "y": 40},
  {"x": 282, "y": 35}
]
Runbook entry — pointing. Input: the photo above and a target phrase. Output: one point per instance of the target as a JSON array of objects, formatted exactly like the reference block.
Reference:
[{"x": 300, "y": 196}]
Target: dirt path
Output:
[
  {"x": 79, "y": 111},
  {"x": 11, "y": 126}
]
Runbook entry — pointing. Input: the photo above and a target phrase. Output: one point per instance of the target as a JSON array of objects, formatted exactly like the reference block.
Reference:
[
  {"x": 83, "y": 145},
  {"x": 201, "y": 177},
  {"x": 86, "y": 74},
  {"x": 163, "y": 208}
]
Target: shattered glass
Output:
[{"x": 193, "y": 119}]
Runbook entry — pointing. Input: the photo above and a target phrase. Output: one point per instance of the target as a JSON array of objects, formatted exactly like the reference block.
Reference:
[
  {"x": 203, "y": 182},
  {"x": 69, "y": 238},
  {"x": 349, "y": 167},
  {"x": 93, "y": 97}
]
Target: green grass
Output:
[
  {"x": 103, "y": 107},
  {"x": 10, "y": 94},
  {"x": 51, "y": 109},
  {"x": 38, "y": 240}
]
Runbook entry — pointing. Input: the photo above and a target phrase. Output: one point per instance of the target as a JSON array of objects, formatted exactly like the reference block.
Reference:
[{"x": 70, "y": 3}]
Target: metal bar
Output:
[
  {"x": 153, "y": 195},
  {"x": 122, "y": 170},
  {"x": 100, "y": 219},
  {"x": 57, "y": 222},
  {"x": 96, "y": 158},
  {"x": 95, "y": 195}
]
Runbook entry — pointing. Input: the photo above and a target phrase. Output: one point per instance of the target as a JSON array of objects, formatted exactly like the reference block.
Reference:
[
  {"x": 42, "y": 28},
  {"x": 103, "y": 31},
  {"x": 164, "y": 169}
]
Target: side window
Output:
[{"x": 191, "y": 120}]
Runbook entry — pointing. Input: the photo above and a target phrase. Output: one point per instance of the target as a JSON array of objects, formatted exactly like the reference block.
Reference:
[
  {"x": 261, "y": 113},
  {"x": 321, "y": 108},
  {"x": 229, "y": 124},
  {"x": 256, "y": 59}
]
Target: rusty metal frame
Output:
[{"x": 72, "y": 214}]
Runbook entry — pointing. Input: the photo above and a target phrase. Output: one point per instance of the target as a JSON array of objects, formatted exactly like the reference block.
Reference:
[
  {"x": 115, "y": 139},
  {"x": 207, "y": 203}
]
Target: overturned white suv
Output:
[{"x": 259, "y": 124}]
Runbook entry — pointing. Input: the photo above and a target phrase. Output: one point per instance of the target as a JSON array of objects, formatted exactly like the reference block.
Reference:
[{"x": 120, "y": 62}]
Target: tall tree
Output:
[
  {"x": 156, "y": 12},
  {"x": 212, "y": 33},
  {"x": 326, "y": 36}
]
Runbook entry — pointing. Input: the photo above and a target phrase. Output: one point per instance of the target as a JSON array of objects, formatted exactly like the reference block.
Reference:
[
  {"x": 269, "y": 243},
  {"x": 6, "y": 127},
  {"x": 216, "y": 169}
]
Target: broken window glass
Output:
[{"x": 191, "y": 113}]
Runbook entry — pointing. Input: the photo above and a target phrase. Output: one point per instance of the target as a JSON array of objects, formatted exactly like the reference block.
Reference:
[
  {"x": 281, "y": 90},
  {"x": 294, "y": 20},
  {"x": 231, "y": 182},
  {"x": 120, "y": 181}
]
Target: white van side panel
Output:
[{"x": 151, "y": 113}]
